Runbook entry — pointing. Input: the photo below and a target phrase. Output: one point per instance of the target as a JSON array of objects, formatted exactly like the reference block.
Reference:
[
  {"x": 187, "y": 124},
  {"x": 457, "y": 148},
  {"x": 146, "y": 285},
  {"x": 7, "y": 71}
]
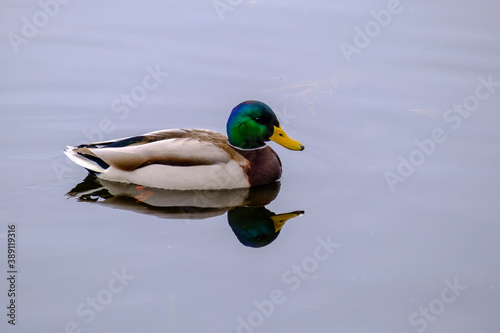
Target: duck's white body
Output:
[
  {"x": 203, "y": 177},
  {"x": 170, "y": 159}
]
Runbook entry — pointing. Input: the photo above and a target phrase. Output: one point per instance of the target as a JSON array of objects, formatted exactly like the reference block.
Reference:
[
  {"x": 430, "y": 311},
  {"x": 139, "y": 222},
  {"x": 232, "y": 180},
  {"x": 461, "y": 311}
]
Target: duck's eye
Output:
[{"x": 257, "y": 119}]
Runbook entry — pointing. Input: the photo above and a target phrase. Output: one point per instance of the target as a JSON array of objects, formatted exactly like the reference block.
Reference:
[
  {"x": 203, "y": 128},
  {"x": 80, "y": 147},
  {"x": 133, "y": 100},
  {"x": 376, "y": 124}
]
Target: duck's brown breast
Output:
[{"x": 264, "y": 165}]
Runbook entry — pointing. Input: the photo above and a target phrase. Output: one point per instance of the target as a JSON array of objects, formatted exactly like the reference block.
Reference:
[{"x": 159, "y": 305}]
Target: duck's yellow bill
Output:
[
  {"x": 280, "y": 219},
  {"x": 279, "y": 136}
]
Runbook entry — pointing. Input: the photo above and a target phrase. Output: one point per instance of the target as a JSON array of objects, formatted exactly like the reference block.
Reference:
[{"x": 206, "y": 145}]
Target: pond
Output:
[{"x": 388, "y": 221}]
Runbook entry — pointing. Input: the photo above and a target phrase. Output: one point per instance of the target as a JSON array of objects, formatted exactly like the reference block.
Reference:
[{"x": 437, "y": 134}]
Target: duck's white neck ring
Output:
[{"x": 250, "y": 149}]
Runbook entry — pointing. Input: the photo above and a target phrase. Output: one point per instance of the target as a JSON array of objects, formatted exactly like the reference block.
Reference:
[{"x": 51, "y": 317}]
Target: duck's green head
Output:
[{"x": 252, "y": 123}]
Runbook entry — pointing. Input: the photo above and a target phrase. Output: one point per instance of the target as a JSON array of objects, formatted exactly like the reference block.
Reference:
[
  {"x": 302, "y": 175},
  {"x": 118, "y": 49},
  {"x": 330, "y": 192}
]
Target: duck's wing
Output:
[
  {"x": 149, "y": 137},
  {"x": 169, "y": 147}
]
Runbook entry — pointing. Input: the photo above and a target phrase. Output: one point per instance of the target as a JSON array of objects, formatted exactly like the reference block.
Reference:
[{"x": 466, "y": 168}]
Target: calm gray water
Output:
[{"x": 396, "y": 102}]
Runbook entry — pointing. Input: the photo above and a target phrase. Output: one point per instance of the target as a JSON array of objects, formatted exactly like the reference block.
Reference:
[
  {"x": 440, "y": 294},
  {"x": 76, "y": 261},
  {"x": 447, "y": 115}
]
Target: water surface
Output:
[{"x": 399, "y": 186}]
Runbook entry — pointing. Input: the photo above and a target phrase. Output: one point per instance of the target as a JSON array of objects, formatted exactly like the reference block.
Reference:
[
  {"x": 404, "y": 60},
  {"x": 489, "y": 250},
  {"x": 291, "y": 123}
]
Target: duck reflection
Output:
[
  {"x": 257, "y": 226},
  {"x": 252, "y": 223}
]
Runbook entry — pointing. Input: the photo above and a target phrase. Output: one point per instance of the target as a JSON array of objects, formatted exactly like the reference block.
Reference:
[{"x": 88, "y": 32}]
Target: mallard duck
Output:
[{"x": 189, "y": 159}]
